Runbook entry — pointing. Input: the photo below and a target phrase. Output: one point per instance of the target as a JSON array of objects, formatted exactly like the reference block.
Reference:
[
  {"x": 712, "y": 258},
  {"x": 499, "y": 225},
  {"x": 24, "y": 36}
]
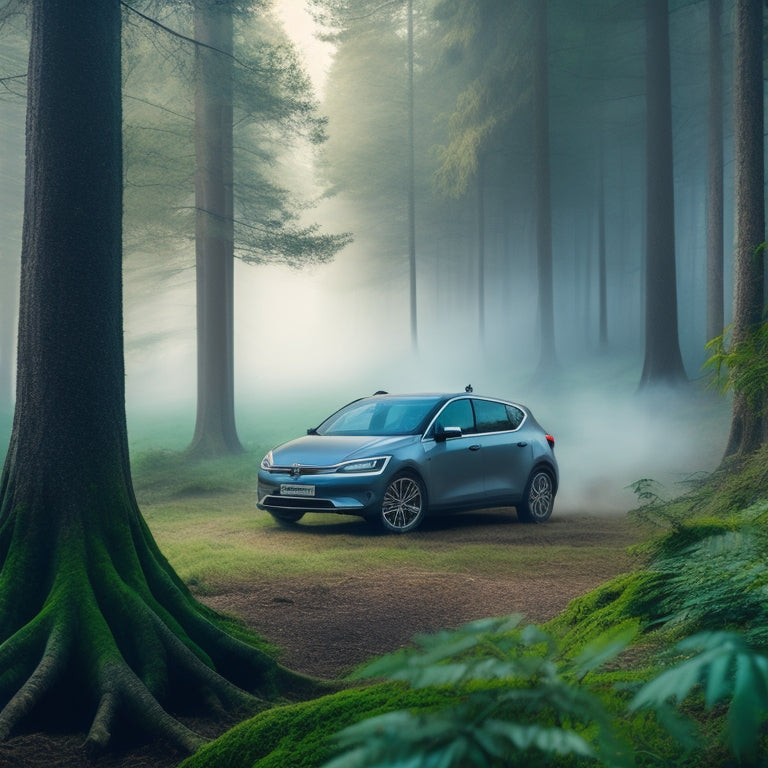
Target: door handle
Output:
[
  {"x": 522, "y": 444},
  {"x": 475, "y": 447}
]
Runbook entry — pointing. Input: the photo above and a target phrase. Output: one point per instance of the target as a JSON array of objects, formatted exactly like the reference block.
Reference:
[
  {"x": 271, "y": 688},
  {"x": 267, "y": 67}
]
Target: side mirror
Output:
[{"x": 446, "y": 433}]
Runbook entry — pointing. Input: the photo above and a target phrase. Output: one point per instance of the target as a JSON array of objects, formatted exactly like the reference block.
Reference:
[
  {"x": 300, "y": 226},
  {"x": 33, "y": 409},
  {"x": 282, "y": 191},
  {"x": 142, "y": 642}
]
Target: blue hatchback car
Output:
[{"x": 396, "y": 458}]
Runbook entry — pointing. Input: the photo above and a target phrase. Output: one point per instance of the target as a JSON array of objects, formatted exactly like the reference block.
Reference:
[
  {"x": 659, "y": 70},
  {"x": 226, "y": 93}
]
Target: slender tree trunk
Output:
[
  {"x": 548, "y": 358},
  {"x": 481, "y": 248},
  {"x": 663, "y": 361},
  {"x": 747, "y": 420},
  {"x": 215, "y": 431},
  {"x": 412, "y": 187},
  {"x": 602, "y": 269},
  {"x": 715, "y": 299}
]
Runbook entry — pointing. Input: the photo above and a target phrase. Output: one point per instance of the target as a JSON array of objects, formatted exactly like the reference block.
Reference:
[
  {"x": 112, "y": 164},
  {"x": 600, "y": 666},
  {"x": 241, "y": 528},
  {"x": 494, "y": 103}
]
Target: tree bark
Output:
[
  {"x": 548, "y": 357},
  {"x": 7, "y": 323},
  {"x": 602, "y": 267},
  {"x": 215, "y": 431},
  {"x": 95, "y": 626},
  {"x": 747, "y": 420},
  {"x": 481, "y": 248},
  {"x": 414, "y": 307},
  {"x": 715, "y": 298},
  {"x": 663, "y": 361}
]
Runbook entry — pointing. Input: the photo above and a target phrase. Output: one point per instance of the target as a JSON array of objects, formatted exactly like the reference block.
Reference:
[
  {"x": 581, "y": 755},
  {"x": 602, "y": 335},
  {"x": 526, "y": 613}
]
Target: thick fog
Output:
[{"x": 309, "y": 339}]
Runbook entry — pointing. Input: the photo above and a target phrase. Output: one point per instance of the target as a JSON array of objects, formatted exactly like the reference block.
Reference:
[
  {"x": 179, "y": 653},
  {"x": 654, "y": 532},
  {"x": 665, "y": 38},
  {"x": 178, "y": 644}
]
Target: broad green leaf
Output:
[{"x": 546, "y": 739}]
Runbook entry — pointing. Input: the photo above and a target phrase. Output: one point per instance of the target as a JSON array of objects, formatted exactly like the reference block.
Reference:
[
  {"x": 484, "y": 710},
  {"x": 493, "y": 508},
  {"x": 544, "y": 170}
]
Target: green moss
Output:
[
  {"x": 626, "y": 600},
  {"x": 299, "y": 735}
]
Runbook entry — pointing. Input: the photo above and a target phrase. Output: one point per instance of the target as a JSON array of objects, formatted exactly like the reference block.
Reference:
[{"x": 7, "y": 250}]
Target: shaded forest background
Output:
[{"x": 441, "y": 284}]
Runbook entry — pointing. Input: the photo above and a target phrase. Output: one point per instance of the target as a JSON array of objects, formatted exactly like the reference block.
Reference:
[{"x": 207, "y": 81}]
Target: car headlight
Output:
[
  {"x": 267, "y": 461},
  {"x": 373, "y": 466}
]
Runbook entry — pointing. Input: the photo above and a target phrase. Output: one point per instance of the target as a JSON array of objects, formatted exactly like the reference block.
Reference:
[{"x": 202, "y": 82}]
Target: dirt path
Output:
[{"x": 329, "y": 624}]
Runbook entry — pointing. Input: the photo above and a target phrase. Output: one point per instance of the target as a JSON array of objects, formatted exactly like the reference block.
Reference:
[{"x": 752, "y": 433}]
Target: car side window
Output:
[
  {"x": 492, "y": 416},
  {"x": 515, "y": 416},
  {"x": 458, "y": 414}
]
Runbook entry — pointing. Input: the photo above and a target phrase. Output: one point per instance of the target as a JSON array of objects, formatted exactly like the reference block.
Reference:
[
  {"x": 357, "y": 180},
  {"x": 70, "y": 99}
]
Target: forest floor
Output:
[{"x": 327, "y": 624}]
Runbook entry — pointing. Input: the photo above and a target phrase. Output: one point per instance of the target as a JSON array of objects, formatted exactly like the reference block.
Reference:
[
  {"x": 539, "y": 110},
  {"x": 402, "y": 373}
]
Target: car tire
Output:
[
  {"x": 403, "y": 504},
  {"x": 286, "y": 516},
  {"x": 538, "y": 499}
]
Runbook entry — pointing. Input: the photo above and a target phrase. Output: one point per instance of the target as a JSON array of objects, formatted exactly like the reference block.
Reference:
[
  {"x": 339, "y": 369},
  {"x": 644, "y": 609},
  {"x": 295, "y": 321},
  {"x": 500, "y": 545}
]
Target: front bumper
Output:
[{"x": 329, "y": 493}]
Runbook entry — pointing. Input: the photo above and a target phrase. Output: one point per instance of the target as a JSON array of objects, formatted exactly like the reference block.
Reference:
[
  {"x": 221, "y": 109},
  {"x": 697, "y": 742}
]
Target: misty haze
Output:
[
  {"x": 321, "y": 335},
  {"x": 546, "y": 200}
]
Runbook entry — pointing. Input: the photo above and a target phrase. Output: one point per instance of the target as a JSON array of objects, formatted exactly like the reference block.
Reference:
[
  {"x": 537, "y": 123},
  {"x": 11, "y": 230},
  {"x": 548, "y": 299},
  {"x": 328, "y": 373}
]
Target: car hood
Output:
[{"x": 327, "y": 450}]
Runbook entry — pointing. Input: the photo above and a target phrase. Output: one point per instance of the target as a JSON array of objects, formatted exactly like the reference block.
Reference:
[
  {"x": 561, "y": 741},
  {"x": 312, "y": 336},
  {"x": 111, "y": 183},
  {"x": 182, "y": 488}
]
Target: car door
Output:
[
  {"x": 505, "y": 452},
  {"x": 455, "y": 474}
]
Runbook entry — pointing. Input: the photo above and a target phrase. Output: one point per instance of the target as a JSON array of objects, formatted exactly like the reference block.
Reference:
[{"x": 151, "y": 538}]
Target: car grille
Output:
[
  {"x": 298, "y": 502},
  {"x": 300, "y": 471}
]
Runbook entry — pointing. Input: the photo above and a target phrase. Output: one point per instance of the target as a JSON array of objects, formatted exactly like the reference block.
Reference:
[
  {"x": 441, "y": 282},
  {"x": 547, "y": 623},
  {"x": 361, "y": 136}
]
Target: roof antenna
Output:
[{"x": 468, "y": 388}]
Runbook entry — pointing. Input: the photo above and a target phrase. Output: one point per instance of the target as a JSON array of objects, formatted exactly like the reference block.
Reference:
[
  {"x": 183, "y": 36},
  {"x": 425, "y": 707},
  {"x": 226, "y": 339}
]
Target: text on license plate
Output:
[{"x": 297, "y": 490}]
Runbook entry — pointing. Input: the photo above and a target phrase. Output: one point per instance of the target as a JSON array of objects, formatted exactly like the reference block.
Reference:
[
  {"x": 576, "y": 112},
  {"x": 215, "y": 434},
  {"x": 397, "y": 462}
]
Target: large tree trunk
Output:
[
  {"x": 715, "y": 298},
  {"x": 95, "y": 626},
  {"x": 548, "y": 357},
  {"x": 215, "y": 432},
  {"x": 663, "y": 362},
  {"x": 747, "y": 418}
]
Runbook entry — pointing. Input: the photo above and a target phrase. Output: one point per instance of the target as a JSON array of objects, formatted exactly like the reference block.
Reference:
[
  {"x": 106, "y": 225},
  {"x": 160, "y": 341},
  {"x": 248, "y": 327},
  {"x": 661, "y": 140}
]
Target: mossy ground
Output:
[{"x": 731, "y": 502}]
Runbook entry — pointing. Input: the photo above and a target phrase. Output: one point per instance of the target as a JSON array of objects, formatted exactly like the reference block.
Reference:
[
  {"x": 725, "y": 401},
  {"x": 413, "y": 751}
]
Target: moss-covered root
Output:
[
  {"x": 41, "y": 679},
  {"x": 90, "y": 636},
  {"x": 122, "y": 689}
]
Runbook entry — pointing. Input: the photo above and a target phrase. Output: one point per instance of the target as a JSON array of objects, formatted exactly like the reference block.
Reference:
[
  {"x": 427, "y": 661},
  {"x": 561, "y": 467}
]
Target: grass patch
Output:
[
  {"x": 204, "y": 518},
  {"x": 704, "y": 574}
]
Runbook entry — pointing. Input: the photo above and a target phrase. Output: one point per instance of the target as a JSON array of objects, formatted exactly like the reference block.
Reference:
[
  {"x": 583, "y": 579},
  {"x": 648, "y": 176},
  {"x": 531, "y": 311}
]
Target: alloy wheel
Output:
[{"x": 403, "y": 504}]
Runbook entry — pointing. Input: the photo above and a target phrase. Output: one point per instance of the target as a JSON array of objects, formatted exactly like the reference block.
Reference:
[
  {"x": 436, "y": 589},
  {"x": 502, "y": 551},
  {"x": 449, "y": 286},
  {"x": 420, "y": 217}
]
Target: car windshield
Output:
[{"x": 380, "y": 416}]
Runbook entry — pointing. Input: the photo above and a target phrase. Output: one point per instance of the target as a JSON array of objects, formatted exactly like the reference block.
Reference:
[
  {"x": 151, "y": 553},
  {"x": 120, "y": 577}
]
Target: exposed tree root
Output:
[{"x": 116, "y": 638}]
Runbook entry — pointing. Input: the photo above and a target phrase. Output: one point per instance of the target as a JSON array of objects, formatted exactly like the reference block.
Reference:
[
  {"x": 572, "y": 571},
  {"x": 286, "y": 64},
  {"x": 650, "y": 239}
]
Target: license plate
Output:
[{"x": 297, "y": 490}]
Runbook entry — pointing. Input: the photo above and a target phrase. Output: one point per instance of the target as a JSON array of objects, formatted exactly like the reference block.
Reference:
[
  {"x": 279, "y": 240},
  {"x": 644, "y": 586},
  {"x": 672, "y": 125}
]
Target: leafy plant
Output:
[
  {"x": 647, "y": 491},
  {"x": 516, "y": 702},
  {"x": 741, "y": 366},
  {"x": 723, "y": 667},
  {"x": 517, "y": 705}
]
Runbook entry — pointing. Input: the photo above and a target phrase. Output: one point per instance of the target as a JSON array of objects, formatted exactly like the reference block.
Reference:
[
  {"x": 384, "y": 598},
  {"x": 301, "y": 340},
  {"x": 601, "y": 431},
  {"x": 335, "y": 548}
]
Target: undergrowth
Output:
[{"x": 664, "y": 666}]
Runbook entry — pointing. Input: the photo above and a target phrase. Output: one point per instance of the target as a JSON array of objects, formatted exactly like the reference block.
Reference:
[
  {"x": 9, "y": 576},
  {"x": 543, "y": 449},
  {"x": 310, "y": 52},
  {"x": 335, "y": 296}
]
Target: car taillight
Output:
[{"x": 551, "y": 441}]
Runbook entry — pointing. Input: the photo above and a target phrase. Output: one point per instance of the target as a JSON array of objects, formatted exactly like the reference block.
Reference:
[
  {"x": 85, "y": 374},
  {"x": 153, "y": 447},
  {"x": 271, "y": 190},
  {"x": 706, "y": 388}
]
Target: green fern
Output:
[
  {"x": 724, "y": 667},
  {"x": 742, "y": 366},
  {"x": 520, "y": 705}
]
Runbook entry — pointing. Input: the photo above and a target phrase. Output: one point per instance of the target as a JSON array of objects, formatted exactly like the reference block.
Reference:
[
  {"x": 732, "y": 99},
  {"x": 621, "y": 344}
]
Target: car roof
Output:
[{"x": 436, "y": 396}]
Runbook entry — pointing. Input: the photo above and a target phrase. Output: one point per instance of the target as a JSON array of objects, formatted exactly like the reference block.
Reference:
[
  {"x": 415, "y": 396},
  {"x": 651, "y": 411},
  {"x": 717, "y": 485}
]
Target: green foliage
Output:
[
  {"x": 647, "y": 491},
  {"x": 741, "y": 366},
  {"x": 520, "y": 705},
  {"x": 488, "y": 39},
  {"x": 724, "y": 667},
  {"x": 299, "y": 736},
  {"x": 718, "y": 581}
]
